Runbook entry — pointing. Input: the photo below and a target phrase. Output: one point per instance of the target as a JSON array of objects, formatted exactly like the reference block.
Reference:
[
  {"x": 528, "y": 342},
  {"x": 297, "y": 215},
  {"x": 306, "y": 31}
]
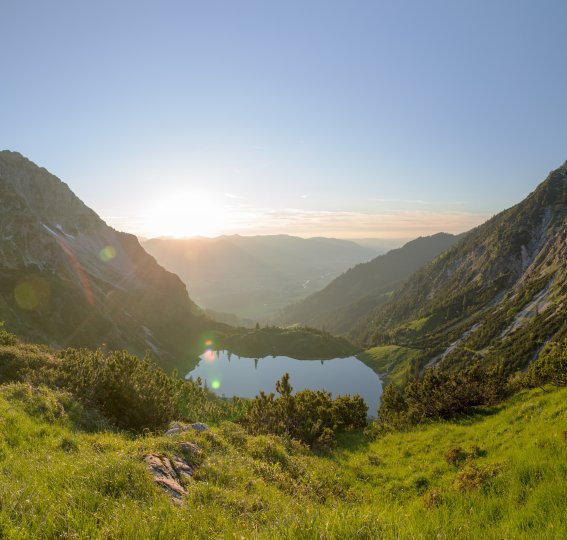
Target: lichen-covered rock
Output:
[
  {"x": 169, "y": 474},
  {"x": 182, "y": 468}
]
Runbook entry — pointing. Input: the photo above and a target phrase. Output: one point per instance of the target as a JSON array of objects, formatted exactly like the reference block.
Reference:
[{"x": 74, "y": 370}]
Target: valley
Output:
[{"x": 418, "y": 394}]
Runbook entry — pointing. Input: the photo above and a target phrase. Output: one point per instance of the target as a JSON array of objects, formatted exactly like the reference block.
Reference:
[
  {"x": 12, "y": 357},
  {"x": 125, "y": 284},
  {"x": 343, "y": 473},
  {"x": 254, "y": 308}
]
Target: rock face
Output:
[{"x": 68, "y": 279}]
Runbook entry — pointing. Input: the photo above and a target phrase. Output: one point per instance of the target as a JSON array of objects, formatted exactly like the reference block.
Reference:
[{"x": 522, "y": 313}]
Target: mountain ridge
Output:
[
  {"x": 499, "y": 293},
  {"x": 70, "y": 279},
  {"x": 254, "y": 276}
]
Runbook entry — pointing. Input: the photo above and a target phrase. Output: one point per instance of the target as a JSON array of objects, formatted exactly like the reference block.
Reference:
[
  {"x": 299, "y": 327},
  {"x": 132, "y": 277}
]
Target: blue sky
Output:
[{"x": 350, "y": 118}]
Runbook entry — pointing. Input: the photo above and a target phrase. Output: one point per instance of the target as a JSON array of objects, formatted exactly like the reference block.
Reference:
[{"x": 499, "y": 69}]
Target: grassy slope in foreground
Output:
[{"x": 57, "y": 481}]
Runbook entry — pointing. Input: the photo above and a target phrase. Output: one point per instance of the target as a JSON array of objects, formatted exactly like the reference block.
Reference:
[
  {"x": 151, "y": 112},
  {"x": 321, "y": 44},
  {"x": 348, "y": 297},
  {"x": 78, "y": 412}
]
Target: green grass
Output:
[
  {"x": 417, "y": 325},
  {"x": 391, "y": 362},
  {"x": 59, "y": 481}
]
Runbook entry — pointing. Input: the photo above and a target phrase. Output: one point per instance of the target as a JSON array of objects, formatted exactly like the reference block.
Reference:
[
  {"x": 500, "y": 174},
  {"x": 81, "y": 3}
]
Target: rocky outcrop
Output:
[{"x": 165, "y": 475}]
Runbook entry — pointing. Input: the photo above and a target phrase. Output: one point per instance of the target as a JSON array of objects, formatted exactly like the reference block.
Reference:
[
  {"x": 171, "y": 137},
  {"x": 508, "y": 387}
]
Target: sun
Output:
[{"x": 185, "y": 214}]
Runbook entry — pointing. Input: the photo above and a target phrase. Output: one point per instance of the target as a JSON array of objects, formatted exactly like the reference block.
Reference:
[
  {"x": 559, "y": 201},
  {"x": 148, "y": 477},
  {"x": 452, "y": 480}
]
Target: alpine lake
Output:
[{"x": 229, "y": 375}]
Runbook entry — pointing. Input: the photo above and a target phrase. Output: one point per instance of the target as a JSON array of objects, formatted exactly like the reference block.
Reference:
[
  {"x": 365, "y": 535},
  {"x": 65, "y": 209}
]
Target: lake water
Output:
[{"x": 229, "y": 375}]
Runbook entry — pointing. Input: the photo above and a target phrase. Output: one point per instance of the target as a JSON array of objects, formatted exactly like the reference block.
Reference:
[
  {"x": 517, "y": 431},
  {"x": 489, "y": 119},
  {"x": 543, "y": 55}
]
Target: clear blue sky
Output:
[{"x": 352, "y": 118}]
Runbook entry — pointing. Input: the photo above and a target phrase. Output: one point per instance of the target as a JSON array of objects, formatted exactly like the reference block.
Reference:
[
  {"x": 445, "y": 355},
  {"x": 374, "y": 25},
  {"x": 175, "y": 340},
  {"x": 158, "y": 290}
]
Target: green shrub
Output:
[
  {"x": 25, "y": 363},
  {"x": 312, "y": 417},
  {"x": 132, "y": 393},
  {"x": 440, "y": 394},
  {"x": 456, "y": 455},
  {"x": 550, "y": 367},
  {"x": 6, "y": 338},
  {"x": 474, "y": 477}
]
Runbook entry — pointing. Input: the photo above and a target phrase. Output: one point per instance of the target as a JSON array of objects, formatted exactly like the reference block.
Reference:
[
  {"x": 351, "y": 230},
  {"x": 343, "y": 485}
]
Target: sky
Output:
[{"x": 353, "y": 119}]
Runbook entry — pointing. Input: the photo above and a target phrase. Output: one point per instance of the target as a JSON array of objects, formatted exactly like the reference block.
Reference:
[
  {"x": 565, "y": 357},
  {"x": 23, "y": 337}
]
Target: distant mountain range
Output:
[
  {"x": 68, "y": 279},
  {"x": 255, "y": 276},
  {"x": 351, "y": 297}
]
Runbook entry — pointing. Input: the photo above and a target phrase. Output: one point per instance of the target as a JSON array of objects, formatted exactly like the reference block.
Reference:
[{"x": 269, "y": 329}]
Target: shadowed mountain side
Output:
[{"x": 69, "y": 279}]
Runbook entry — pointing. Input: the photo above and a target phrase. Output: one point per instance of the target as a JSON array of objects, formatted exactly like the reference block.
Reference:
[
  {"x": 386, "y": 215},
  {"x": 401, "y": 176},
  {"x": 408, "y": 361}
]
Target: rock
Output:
[
  {"x": 190, "y": 448},
  {"x": 199, "y": 427},
  {"x": 168, "y": 474},
  {"x": 183, "y": 469},
  {"x": 176, "y": 428}
]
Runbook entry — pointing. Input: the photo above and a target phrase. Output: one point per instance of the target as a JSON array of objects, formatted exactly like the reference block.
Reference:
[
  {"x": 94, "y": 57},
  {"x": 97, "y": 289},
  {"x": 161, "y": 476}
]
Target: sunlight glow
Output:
[{"x": 185, "y": 214}]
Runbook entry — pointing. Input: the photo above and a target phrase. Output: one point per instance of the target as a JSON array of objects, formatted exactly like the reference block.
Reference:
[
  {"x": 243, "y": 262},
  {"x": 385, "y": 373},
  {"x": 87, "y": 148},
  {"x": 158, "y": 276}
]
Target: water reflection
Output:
[{"x": 231, "y": 375}]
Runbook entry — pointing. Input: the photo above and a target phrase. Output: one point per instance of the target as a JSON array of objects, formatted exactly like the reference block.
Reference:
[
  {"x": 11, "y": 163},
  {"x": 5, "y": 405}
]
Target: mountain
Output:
[
  {"x": 500, "y": 293},
  {"x": 68, "y": 279},
  {"x": 254, "y": 276},
  {"x": 355, "y": 294}
]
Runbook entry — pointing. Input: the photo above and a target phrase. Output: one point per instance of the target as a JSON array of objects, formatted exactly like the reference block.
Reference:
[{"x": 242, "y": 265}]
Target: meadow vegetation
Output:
[{"x": 71, "y": 463}]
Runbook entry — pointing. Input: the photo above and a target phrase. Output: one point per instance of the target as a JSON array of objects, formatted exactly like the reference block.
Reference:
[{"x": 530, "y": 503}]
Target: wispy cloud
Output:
[
  {"x": 352, "y": 224},
  {"x": 402, "y": 201}
]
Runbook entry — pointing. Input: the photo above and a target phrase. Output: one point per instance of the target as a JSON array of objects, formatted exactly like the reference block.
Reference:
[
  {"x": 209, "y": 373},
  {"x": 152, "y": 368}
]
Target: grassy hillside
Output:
[
  {"x": 60, "y": 480},
  {"x": 392, "y": 362}
]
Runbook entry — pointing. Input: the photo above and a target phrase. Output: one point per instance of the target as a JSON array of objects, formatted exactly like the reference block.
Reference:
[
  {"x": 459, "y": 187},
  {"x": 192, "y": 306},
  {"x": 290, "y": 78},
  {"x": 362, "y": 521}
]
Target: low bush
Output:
[
  {"x": 455, "y": 456},
  {"x": 309, "y": 416},
  {"x": 134, "y": 394},
  {"x": 474, "y": 477},
  {"x": 549, "y": 368},
  {"x": 440, "y": 395}
]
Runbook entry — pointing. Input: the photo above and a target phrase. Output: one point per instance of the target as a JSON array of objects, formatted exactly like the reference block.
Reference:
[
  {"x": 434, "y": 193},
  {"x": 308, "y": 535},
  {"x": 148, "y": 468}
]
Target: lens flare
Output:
[
  {"x": 107, "y": 253},
  {"x": 210, "y": 355},
  {"x": 31, "y": 293},
  {"x": 215, "y": 384},
  {"x": 208, "y": 343}
]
